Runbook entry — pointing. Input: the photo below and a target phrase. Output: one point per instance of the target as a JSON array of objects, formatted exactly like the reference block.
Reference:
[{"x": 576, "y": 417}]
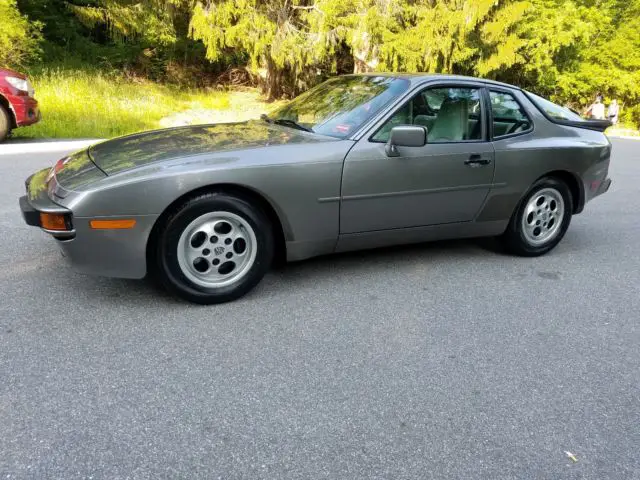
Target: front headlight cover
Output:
[{"x": 21, "y": 84}]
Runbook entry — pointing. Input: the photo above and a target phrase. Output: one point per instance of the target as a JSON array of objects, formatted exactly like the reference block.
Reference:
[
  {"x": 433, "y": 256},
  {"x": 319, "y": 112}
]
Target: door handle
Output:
[{"x": 476, "y": 160}]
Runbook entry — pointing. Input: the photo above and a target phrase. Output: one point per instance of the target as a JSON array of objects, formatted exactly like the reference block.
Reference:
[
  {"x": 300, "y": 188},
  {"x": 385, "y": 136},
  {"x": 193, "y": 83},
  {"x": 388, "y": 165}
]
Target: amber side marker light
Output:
[
  {"x": 122, "y": 224},
  {"x": 54, "y": 221}
]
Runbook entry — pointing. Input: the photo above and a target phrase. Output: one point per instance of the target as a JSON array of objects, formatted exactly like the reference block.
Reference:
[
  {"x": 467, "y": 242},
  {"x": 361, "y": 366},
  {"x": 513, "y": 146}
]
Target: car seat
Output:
[{"x": 452, "y": 122}]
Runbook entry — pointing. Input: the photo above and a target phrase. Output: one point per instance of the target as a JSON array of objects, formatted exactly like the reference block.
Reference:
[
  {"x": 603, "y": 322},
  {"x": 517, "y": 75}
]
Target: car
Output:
[
  {"x": 358, "y": 162},
  {"x": 18, "y": 106}
]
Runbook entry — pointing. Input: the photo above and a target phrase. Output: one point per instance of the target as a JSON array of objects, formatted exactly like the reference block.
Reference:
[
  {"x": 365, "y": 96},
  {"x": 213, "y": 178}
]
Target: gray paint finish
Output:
[
  {"x": 328, "y": 194},
  {"x": 108, "y": 250},
  {"x": 157, "y": 146},
  {"x": 381, "y": 192}
]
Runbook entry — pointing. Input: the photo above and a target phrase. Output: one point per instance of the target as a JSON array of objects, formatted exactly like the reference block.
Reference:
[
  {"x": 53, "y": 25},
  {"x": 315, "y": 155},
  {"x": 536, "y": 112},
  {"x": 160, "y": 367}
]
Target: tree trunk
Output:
[
  {"x": 273, "y": 87},
  {"x": 360, "y": 66}
]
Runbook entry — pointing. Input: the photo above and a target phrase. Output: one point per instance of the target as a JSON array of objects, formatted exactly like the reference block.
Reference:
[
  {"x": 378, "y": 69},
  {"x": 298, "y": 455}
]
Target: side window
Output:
[
  {"x": 449, "y": 114},
  {"x": 507, "y": 114}
]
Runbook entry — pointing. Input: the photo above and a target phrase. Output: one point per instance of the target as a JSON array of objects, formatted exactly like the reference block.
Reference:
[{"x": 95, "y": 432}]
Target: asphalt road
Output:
[{"x": 436, "y": 361}]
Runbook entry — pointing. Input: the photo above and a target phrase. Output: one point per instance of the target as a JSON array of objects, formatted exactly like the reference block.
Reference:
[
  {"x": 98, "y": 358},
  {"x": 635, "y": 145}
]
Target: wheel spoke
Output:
[{"x": 192, "y": 254}]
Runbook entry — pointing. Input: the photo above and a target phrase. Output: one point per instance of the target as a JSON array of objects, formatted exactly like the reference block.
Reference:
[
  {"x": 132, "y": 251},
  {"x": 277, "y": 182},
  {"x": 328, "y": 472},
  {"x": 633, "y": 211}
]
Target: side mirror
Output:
[{"x": 405, "y": 136}]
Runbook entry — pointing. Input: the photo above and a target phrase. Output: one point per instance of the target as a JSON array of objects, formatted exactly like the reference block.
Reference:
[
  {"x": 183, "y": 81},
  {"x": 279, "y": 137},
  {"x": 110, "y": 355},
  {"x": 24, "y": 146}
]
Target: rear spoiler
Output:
[
  {"x": 589, "y": 124},
  {"x": 597, "y": 125}
]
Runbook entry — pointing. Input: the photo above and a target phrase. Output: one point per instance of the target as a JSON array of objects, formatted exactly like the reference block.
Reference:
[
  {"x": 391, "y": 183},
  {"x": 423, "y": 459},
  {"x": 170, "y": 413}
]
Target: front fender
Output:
[{"x": 301, "y": 183}]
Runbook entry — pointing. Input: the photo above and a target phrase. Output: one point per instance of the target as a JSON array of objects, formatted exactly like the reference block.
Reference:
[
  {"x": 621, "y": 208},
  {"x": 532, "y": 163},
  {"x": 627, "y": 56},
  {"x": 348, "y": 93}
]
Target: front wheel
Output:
[
  {"x": 214, "y": 248},
  {"x": 5, "y": 123},
  {"x": 541, "y": 220}
]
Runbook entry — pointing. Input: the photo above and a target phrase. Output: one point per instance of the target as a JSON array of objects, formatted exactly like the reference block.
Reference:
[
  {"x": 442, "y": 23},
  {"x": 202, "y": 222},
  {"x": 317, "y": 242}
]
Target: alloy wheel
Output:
[
  {"x": 543, "y": 216},
  {"x": 217, "y": 249}
]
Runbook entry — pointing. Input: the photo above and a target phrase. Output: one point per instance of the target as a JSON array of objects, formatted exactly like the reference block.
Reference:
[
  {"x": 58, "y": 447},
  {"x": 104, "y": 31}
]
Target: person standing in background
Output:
[
  {"x": 596, "y": 110},
  {"x": 613, "y": 111}
]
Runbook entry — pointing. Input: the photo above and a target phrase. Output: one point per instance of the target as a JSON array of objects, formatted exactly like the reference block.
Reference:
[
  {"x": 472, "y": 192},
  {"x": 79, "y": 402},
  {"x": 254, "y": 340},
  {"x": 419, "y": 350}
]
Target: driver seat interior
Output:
[{"x": 452, "y": 122}]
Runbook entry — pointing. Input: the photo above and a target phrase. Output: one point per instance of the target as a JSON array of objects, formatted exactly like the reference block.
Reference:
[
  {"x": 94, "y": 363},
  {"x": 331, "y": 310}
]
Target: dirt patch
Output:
[{"x": 243, "y": 105}]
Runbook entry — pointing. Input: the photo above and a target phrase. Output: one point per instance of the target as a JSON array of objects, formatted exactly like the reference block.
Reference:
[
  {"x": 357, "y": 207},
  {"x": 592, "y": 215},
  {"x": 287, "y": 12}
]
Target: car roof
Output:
[{"x": 417, "y": 78}]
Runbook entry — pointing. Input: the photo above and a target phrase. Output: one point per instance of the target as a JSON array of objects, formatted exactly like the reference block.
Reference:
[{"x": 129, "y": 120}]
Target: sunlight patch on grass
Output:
[
  {"x": 88, "y": 104},
  {"x": 623, "y": 131}
]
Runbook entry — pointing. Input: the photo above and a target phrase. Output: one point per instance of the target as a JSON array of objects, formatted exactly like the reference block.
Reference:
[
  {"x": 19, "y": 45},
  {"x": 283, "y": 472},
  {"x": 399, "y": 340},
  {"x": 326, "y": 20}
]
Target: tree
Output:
[
  {"x": 150, "y": 20},
  {"x": 451, "y": 36},
  {"x": 274, "y": 34},
  {"x": 19, "y": 38},
  {"x": 571, "y": 49},
  {"x": 565, "y": 49},
  {"x": 146, "y": 37}
]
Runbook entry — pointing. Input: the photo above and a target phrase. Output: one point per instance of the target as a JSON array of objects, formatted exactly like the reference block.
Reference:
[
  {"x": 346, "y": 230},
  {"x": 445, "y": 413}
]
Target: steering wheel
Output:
[{"x": 517, "y": 125}]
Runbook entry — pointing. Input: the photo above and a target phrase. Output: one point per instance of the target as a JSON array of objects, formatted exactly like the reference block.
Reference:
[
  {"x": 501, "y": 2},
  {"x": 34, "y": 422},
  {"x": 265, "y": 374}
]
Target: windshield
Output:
[
  {"x": 554, "y": 111},
  {"x": 338, "y": 107}
]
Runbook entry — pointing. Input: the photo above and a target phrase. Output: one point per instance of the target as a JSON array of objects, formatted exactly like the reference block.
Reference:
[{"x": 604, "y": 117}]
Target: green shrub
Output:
[{"x": 19, "y": 38}]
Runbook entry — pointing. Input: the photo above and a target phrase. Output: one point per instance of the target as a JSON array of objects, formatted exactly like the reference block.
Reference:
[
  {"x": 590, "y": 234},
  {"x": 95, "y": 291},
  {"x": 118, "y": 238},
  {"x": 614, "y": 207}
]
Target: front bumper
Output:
[
  {"x": 30, "y": 214},
  {"x": 37, "y": 201},
  {"x": 26, "y": 110}
]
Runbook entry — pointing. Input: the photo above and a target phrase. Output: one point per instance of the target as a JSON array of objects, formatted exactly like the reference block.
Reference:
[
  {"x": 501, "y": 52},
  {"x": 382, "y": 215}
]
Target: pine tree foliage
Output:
[
  {"x": 129, "y": 19},
  {"x": 565, "y": 49}
]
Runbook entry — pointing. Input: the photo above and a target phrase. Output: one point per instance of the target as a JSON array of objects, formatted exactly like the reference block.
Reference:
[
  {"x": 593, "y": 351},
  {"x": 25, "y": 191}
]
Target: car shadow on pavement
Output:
[
  {"x": 283, "y": 278},
  {"x": 404, "y": 253},
  {"x": 341, "y": 266}
]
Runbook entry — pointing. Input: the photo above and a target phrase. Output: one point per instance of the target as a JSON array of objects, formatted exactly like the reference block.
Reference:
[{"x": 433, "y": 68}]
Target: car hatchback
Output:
[{"x": 360, "y": 161}]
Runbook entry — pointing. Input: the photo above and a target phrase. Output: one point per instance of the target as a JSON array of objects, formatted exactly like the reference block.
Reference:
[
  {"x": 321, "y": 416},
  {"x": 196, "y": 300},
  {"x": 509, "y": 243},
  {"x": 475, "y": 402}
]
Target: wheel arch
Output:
[
  {"x": 575, "y": 187},
  {"x": 281, "y": 228},
  {"x": 4, "y": 102},
  {"x": 504, "y": 207}
]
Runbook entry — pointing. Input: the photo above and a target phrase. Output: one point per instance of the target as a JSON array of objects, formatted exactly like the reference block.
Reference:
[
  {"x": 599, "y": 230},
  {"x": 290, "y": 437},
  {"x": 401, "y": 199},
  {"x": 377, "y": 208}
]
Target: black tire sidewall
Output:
[
  {"x": 5, "y": 123},
  {"x": 514, "y": 237},
  {"x": 167, "y": 261}
]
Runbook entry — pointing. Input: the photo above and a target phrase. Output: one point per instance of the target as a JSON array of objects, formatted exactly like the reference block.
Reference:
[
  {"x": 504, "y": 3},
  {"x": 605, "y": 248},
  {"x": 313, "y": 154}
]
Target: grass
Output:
[
  {"x": 93, "y": 104},
  {"x": 622, "y": 130}
]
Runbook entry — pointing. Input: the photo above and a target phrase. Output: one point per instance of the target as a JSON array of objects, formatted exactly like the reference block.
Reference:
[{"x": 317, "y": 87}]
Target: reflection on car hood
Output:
[
  {"x": 75, "y": 171},
  {"x": 133, "y": 151}
]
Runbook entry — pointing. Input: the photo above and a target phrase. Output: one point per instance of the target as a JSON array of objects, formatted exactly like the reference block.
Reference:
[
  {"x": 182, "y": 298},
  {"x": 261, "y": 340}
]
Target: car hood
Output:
[
  {"x": 138, "y": 150},
  {"x": 7, "y": 72}
]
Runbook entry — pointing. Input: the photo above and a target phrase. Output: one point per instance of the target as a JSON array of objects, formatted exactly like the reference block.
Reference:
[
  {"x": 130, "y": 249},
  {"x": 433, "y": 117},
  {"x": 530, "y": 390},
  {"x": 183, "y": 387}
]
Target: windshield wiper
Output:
[
  {"x": 290, "y": 123},
  {"x": 285, "y": 122}
]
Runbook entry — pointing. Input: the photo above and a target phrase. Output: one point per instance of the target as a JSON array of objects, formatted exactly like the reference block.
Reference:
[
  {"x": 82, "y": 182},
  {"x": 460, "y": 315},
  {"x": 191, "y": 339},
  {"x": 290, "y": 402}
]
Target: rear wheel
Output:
[
  {"x": 541, "y": 219},
  {"x": 215, "y": 248},
  {"x": 5, "y": 123}
]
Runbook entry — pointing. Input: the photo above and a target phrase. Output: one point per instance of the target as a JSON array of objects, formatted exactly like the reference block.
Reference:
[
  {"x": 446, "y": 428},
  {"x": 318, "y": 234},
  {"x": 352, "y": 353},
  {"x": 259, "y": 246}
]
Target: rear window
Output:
[
  {"x": 554, "y": 111},
  {"x": 508, "y": 116}
]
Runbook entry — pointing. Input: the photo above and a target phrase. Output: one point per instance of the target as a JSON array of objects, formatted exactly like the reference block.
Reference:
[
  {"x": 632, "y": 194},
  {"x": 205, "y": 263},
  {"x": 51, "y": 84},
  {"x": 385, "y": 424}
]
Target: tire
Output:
[
  {"x": 196, "y": 247},
  {"x": 541, "y": 219},
  {"x": 5, "y": 123}
]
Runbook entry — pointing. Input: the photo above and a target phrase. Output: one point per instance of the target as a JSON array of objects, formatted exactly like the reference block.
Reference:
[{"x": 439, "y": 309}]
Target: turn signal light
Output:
[
  {"x": 53, "y": 221},
  {"x": 121, "y": 224}
]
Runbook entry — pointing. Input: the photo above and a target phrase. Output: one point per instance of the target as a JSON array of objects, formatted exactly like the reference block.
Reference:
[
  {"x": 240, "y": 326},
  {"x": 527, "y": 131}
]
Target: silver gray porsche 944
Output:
[{"x": 360, "y": 161}]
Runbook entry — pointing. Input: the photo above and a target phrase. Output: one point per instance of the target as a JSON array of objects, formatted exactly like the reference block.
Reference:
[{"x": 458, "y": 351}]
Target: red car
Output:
[{"x": 18, "y": 107}]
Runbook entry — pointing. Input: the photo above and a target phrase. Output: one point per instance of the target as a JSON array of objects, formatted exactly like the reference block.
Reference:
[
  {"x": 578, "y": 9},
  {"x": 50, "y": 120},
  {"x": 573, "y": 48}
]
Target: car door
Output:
[{"x": 445, "y": 181}]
